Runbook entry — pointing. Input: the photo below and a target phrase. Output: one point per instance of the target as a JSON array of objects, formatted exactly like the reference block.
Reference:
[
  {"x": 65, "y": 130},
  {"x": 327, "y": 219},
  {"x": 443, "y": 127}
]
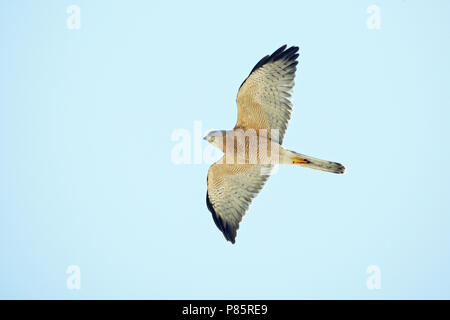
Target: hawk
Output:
[{"x": 253, "y": 147}]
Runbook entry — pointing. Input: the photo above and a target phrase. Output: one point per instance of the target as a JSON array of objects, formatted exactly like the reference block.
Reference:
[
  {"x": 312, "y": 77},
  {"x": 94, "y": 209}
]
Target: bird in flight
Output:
[{"x": 253, "y": 147}]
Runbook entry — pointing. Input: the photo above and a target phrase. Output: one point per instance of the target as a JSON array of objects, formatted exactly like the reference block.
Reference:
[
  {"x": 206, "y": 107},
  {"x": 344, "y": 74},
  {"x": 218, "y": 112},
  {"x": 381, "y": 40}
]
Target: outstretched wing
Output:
[
  {"x": 231, "y": 189},
  {"x": 263, "y": 99}
]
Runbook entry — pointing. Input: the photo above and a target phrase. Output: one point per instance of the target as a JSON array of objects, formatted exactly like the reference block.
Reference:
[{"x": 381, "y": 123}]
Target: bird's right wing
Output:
[
  {"x": 263, "y": 99},
  {"x": 231, "y": 189}
]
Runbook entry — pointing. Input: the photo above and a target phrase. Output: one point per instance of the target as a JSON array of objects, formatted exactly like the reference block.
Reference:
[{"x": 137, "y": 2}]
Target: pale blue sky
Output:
[{"x": 86, "y": 177}]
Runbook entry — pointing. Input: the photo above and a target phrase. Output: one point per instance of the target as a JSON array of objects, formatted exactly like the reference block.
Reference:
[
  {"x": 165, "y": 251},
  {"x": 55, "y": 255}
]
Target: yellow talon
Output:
[{"x": 299, "y": 161}]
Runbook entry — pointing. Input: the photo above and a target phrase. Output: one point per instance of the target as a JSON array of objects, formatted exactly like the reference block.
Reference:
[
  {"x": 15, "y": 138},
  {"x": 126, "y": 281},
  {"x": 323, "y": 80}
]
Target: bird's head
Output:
[{"x": 214, "y": 137}]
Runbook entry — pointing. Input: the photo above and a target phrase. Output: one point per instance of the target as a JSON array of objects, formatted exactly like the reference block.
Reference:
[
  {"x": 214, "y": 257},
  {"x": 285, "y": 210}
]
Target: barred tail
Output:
[{"x": 306, "y": 161}]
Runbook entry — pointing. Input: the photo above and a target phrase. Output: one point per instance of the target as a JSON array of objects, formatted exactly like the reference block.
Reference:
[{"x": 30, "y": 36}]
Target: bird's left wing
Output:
[
  {"x": 263, "y": 99},
  {"x": 231, "y": 189}
]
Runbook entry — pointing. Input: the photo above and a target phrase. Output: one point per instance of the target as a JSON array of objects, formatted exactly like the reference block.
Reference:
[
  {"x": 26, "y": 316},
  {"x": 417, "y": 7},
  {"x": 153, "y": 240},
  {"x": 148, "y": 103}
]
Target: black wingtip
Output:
[
  {"x": 281, "y": 53},
  {"x": 228, "y": 231}
]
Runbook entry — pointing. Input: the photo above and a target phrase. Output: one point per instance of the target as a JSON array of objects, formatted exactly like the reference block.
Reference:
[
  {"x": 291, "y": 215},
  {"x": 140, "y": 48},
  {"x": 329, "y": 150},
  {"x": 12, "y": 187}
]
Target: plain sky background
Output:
[{"x": 87, "y": 179}]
